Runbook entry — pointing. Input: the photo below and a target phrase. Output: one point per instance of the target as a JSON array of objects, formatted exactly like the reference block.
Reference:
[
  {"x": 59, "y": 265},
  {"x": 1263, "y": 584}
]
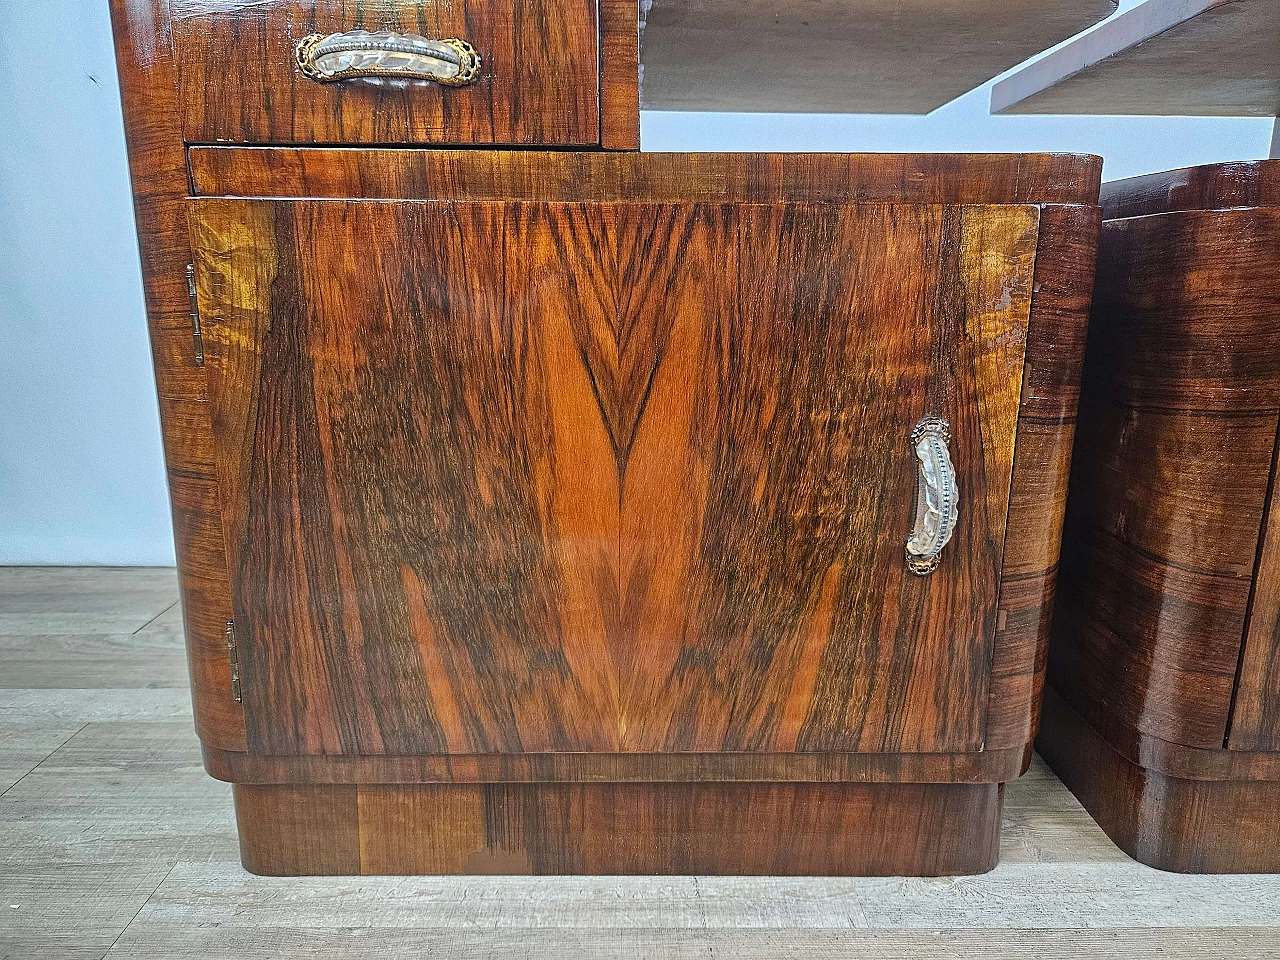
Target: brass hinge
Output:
[
  {"x": 197, "y": 336},
  {"x": 234, "y": 657}
]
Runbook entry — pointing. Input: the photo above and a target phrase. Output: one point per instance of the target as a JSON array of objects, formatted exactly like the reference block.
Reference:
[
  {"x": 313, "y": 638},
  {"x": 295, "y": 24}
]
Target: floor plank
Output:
[
  {"x": 71, "y": 910},
  {"x": 154, "y": 656},
  {"x": 1039, "y": 896},
  {"x": 23, "y": 745},
  {"x": 146, "y": 941},
  {"x": 94, "y": 706},
  {"x": 71, "y": 600},
  {"x": 120, "y": 791}
]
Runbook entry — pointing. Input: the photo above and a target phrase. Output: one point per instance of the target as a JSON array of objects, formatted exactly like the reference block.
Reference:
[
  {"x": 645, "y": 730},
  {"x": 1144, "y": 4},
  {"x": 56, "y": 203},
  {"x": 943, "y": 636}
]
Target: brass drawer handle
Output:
[
  {"x": 937, "y": 495},
  {"x": 359, "y": 53}
]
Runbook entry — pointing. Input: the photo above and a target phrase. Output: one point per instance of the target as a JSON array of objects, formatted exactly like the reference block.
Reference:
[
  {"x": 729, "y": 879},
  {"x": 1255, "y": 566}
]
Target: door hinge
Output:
[
  {"x": 234, "y": 656},
  {"x": 197, "y": 336}
]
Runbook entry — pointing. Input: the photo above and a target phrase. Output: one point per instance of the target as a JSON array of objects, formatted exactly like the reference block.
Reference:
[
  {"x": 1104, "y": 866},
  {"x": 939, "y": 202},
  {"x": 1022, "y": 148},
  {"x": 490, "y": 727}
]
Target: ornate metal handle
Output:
[
  {"x": 359, "y": 53},
  {"x": 937, "y": 496}
]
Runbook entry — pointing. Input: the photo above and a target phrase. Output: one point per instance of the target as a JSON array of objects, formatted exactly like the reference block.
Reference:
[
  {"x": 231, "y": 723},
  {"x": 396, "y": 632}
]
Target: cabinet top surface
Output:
[{"x": 1215, "y": 186}]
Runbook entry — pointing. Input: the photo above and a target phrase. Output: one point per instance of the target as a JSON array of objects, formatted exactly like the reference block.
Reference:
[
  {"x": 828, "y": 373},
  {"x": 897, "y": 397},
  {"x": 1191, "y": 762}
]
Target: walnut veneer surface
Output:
[
  {"x": 1165, "y": 660},
  {"x": 510, "y": 474}
]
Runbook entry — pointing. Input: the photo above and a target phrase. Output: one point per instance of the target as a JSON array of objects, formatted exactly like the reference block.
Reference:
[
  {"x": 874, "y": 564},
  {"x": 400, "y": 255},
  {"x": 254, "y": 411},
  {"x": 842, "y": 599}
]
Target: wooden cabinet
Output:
[
  {"x": 1163, "y": 666},
  {"x": 601, "y": 512}
]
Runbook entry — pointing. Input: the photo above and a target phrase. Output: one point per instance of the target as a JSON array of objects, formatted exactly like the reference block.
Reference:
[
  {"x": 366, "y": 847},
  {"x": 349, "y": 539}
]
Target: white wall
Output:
[
  {"x": 81, "y": 471},
  {"x": 80, "y": 463}
]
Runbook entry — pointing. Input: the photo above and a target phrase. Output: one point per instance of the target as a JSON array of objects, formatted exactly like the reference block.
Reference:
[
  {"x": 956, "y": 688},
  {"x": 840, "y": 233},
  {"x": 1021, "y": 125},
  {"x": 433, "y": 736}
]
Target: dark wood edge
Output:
[
  {"x": 1059, "y": 319},
  {"x": 153, "y": 136},
  {"x": 1163, "y": 820},
  {"x": 585, "y": 176},
  {"x": 1163, "y": 757},
  {"x": 1216, "y": 186},
  {"x": 619, "y": 74},
  {"x": 992, "y": 766}
]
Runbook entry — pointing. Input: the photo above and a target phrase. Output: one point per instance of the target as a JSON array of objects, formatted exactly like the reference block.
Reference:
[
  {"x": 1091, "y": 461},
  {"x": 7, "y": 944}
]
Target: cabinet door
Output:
[{"x": 620, "y": 477}]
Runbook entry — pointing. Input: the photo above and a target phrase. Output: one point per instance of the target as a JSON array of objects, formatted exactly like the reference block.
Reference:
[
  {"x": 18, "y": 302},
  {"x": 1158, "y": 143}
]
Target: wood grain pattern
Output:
[
  {"x": 539, "y": 81},
  {"x": 1179, "y": 416},
  {"x": 1162, "y": 662},
  {"x": 607, "y": 598},
  {"x": 621, "y": 829},
  {"x": 1162, "y": 58},
  {"x": 842, "y": 56},
  {"x": 472, "y": 625},
  {"x": 1215, "y": 186},
  {"x": 771, "y": 612},
  {"x": 153, "y": 132},
  {"x": 1182, "y": 825},
  {"x": 694, "y": 177},
  {"x": 1046, "y": 428},
  {"x": 619, "y": 75}
]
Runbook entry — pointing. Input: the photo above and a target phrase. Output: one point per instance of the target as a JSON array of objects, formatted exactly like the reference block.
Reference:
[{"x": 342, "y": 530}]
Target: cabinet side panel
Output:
[
  {"x": 1177, "y": 435},
  {"x": 157, "y": 164},
  {"x": 1042, "y": 464}
]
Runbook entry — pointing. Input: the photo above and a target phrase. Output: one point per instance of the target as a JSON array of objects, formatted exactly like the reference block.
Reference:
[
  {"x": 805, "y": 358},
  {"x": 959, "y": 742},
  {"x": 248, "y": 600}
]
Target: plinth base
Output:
[
  {"x": 1178, "y": 823},
  {"x": 785, "y": 829}
]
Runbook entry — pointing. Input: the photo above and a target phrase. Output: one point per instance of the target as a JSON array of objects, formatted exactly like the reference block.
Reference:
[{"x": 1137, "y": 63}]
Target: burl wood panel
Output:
[
  {"x": 1173, "y": 823},
  {"x": 153, "y": 132},
  {"x": 620, "y": 829},
  {"x": 579, "y": 177},
  {"x": 634, "y": 477},
  {"x": 539, "y": 81},
  {"x": 1178, "y": 424}
]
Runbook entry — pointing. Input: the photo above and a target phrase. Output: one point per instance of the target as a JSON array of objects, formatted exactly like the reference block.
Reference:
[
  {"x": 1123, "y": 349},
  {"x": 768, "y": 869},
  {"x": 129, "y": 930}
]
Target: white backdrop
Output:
[{"x": 81, "y": 478}]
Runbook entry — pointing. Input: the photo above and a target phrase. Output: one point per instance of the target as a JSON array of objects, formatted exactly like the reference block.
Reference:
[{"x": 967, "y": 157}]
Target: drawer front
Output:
[
  {"x": 537, "y": 83},
  {"x": 511, "y": 477}
]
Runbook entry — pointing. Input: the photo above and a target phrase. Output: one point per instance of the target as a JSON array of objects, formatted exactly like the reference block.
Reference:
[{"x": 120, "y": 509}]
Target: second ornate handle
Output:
[
  {"x": 359, "y": 53},
  {"x": 937, "y": 495}
]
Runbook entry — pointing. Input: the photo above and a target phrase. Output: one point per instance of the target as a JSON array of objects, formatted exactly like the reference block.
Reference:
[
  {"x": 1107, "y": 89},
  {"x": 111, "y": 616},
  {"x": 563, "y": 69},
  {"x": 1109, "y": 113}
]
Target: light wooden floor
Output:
[{"x": 114, "y": 843}]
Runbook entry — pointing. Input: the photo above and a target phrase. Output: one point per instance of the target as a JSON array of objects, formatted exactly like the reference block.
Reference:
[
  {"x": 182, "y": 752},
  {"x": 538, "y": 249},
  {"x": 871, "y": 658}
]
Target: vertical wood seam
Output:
[{"x": 1264, "y": 533}]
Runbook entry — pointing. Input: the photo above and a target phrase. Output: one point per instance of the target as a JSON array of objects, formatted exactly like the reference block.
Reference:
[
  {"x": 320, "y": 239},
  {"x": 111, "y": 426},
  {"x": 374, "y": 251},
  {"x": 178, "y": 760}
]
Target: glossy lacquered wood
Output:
[
  {"x": 148, "y": 86},
  {"x": 619, "y": 829},
  {"x": 553, "y": 472},
  {"x": 1164, "y": 641},
  {"x": 394, "y": 174},
  {"x": 538, "y": 84},
  {"x": 540, "y": 478}
]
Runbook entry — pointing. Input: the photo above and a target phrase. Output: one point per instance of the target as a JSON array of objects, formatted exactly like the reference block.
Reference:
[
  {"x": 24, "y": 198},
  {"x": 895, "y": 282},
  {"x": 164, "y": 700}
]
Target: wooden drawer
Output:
[{"x": 538, "y": 81}]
